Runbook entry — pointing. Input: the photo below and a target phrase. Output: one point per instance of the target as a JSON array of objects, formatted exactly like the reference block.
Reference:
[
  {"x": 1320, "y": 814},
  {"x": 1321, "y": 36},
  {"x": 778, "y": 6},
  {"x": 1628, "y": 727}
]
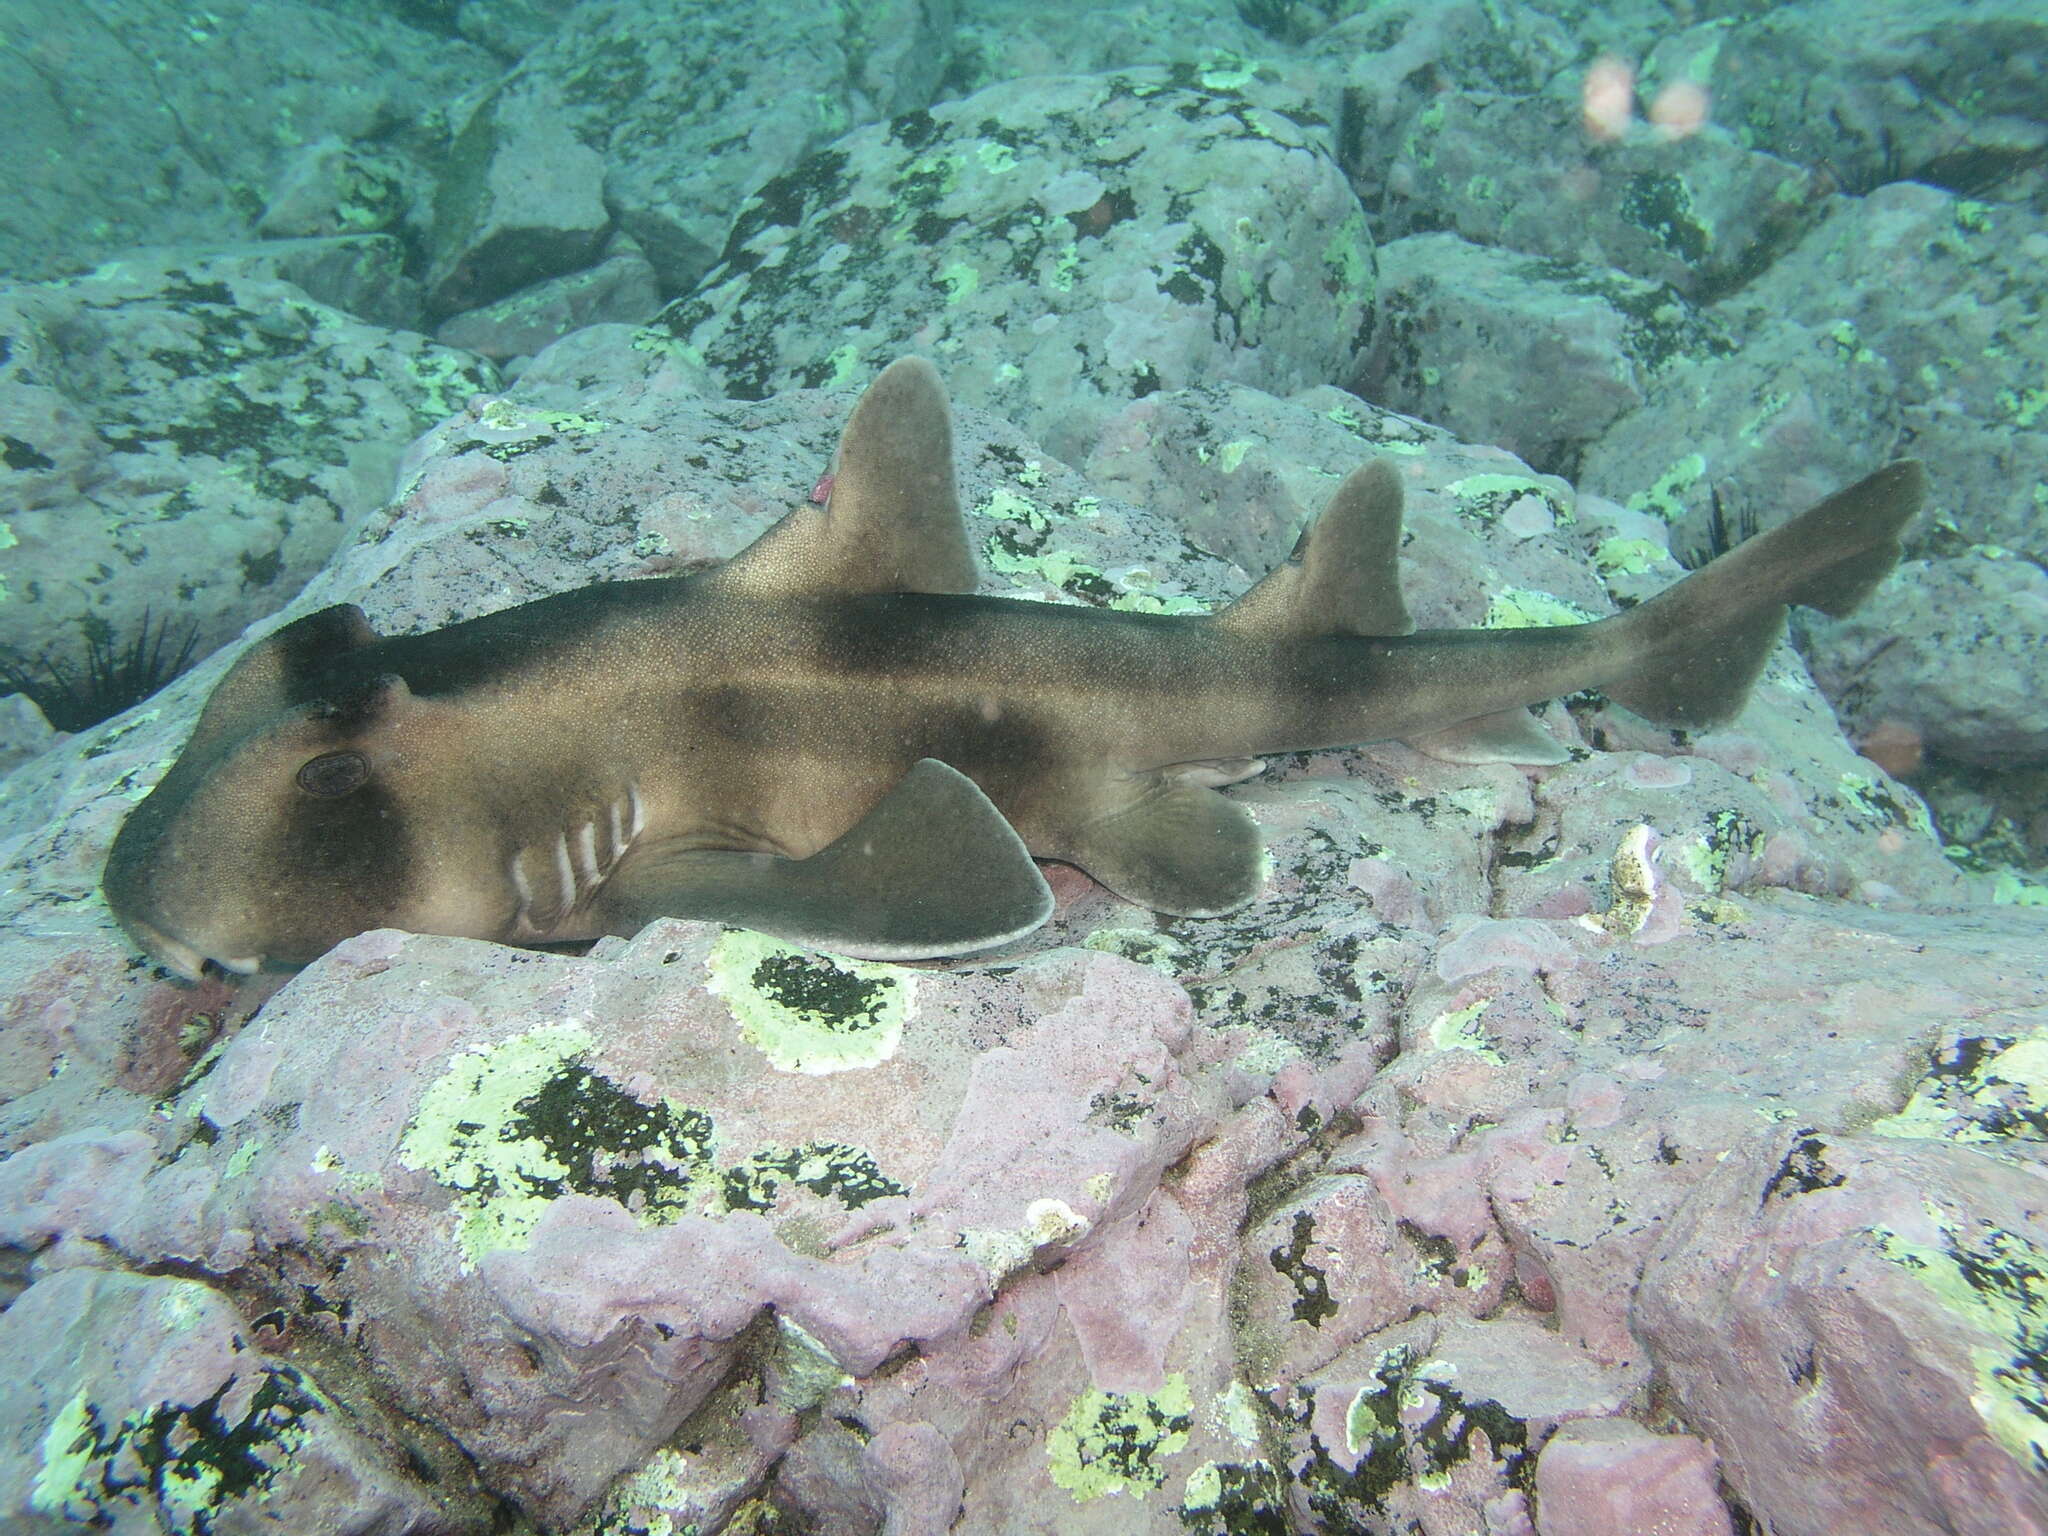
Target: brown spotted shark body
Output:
[{"x": 833, "y": 740}]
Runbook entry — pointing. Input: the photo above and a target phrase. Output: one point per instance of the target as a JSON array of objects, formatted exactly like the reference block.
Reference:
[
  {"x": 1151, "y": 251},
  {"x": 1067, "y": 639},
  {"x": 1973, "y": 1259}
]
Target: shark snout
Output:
[{"x": 173, "y": 954}]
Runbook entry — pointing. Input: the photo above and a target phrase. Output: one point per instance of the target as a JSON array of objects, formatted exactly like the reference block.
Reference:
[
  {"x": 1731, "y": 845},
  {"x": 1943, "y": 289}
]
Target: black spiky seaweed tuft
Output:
[{"x": 112, "y": 677}]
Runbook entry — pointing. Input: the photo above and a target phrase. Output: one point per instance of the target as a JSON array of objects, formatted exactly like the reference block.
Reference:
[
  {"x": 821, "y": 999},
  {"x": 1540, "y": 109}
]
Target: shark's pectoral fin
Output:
[
  {"x": 932, "y": 870},
  {"x": 1178, "y": 848},
  {"x": 1512, "y": 736}
]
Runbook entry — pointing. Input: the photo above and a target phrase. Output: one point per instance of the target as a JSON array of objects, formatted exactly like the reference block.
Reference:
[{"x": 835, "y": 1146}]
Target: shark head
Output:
[{"x": 283, "y": 828}]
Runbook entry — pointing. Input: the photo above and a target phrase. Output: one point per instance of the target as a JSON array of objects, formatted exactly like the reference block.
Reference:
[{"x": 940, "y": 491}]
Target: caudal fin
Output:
[{"x": 1697, "y": 648}]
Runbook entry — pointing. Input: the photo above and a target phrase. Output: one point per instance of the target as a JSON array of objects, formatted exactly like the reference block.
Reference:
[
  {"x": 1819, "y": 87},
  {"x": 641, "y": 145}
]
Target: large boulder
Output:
[
  {"x": 192, "y": 442},
  {"x": 1955, "y": 655},
  {"x": 163, "y": 125},
  {"x": 1060, "y": 246},
  {"x": 659, "y": 119}
]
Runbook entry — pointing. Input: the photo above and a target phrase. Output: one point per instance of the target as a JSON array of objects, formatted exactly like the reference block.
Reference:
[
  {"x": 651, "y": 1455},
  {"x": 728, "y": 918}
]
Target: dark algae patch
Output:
[
  {"x": 1662, "y": 204},
  {"x": 187, "y": 1460},
  {"x": 514, "y": 1127},
  {"x": 1804, "y": 1169},
  {"x": 829, "y": 1169},
  {"x": 1235, "y": 1498},
  {"x": 1312, "y": 1301},
  {"x": 1414, "y": 1429},
  {"x": 18, "y": 455},
  {"x": 645, "y": 1156},
  {"x": 835, "y": 999}
]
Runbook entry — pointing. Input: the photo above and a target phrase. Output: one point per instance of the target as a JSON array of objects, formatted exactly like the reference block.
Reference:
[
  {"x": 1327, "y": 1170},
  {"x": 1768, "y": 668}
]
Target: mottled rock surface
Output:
[
  {"x": 659, "y": 118},
  {"x": 1928, "y": 294},
  {"x": 997, "y": 40},
  {"x": 522, "y": 202},
  {"x": 619, "y": 290},
  {"x": 1820, "y": 1292},
  {"x": 140, "y": 1403},
  {"x": 1880, "y": 91},
  {"x": 1520, "y": 172},
  {"x": 153, "y": 123},
  {"x": 192, "y": 442},
  {"x": 1610, "y": 1477},
  {"x": 1957, "y": 654},
  {"x": 1539, "y": 356},
  {"x": 1060, "y": 246},
  {"x": 1898, "y": 323}
]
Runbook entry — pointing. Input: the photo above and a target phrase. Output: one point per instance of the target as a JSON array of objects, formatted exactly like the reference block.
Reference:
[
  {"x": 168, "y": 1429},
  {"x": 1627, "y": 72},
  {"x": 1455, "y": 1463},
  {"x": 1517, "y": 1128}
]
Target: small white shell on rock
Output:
[{"x": 1635, "y": 885}]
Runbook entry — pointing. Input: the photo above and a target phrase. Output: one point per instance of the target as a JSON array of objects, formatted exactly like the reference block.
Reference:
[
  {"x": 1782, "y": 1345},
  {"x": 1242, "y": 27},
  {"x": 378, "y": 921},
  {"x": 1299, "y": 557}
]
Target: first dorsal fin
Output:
[
  {"x": 891, "y": 522},
  {"x": 1343, "y": 577}
]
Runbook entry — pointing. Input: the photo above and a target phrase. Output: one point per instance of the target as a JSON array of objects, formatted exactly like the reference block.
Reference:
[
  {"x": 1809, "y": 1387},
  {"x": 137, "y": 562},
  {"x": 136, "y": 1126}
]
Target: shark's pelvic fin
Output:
[
  {"x": 1696, "y": 649},
  {"x": 1177, "y": 848},
  {"x": 891, "y": 522},
  {"x": 1512, "y": 736},
  {"x": 1343, "y": 577},
  {"x": 932, "y": 870}
]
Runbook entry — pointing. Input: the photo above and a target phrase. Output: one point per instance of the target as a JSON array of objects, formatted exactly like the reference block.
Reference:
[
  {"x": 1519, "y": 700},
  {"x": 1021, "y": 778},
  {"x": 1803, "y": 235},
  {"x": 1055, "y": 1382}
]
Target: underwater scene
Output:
[{"x": 948, "y": 766}]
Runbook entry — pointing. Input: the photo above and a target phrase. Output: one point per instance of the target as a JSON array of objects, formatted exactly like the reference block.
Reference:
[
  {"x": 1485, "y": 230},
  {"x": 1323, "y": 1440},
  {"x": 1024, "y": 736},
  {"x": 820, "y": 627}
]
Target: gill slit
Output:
[{"x": 580, "y": 869}]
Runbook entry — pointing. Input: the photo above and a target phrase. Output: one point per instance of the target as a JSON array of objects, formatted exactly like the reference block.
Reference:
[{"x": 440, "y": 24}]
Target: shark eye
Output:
[{"x": 334, "y": 774}]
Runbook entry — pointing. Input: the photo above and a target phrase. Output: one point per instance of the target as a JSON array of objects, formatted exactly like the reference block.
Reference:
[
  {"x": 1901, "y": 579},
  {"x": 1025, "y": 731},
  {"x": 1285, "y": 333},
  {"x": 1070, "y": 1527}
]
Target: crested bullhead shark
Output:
[{"x": 833, "y": 739}]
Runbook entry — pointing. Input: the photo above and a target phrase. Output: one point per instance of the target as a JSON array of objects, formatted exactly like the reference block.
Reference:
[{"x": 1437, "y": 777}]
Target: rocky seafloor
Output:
[{"x": 1648, "y": 1143}]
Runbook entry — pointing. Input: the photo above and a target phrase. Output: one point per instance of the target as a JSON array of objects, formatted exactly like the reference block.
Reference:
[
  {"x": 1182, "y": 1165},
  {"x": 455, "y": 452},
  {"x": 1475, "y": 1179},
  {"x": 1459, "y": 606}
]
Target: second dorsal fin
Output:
[
  {"x": 891, "y": 522},
  {"x": 1343, "y": 577}
]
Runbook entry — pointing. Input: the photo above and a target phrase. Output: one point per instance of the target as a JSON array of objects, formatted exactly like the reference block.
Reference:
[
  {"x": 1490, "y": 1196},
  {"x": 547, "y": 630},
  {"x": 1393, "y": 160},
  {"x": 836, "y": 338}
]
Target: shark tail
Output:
[{"x": 1697, "y": 648}]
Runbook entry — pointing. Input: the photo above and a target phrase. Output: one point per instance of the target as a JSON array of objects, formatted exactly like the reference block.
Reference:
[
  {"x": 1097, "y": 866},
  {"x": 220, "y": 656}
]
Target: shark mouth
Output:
[
  {"x": 186, "y": 961},
  {"x": 555, "y": 880}
]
